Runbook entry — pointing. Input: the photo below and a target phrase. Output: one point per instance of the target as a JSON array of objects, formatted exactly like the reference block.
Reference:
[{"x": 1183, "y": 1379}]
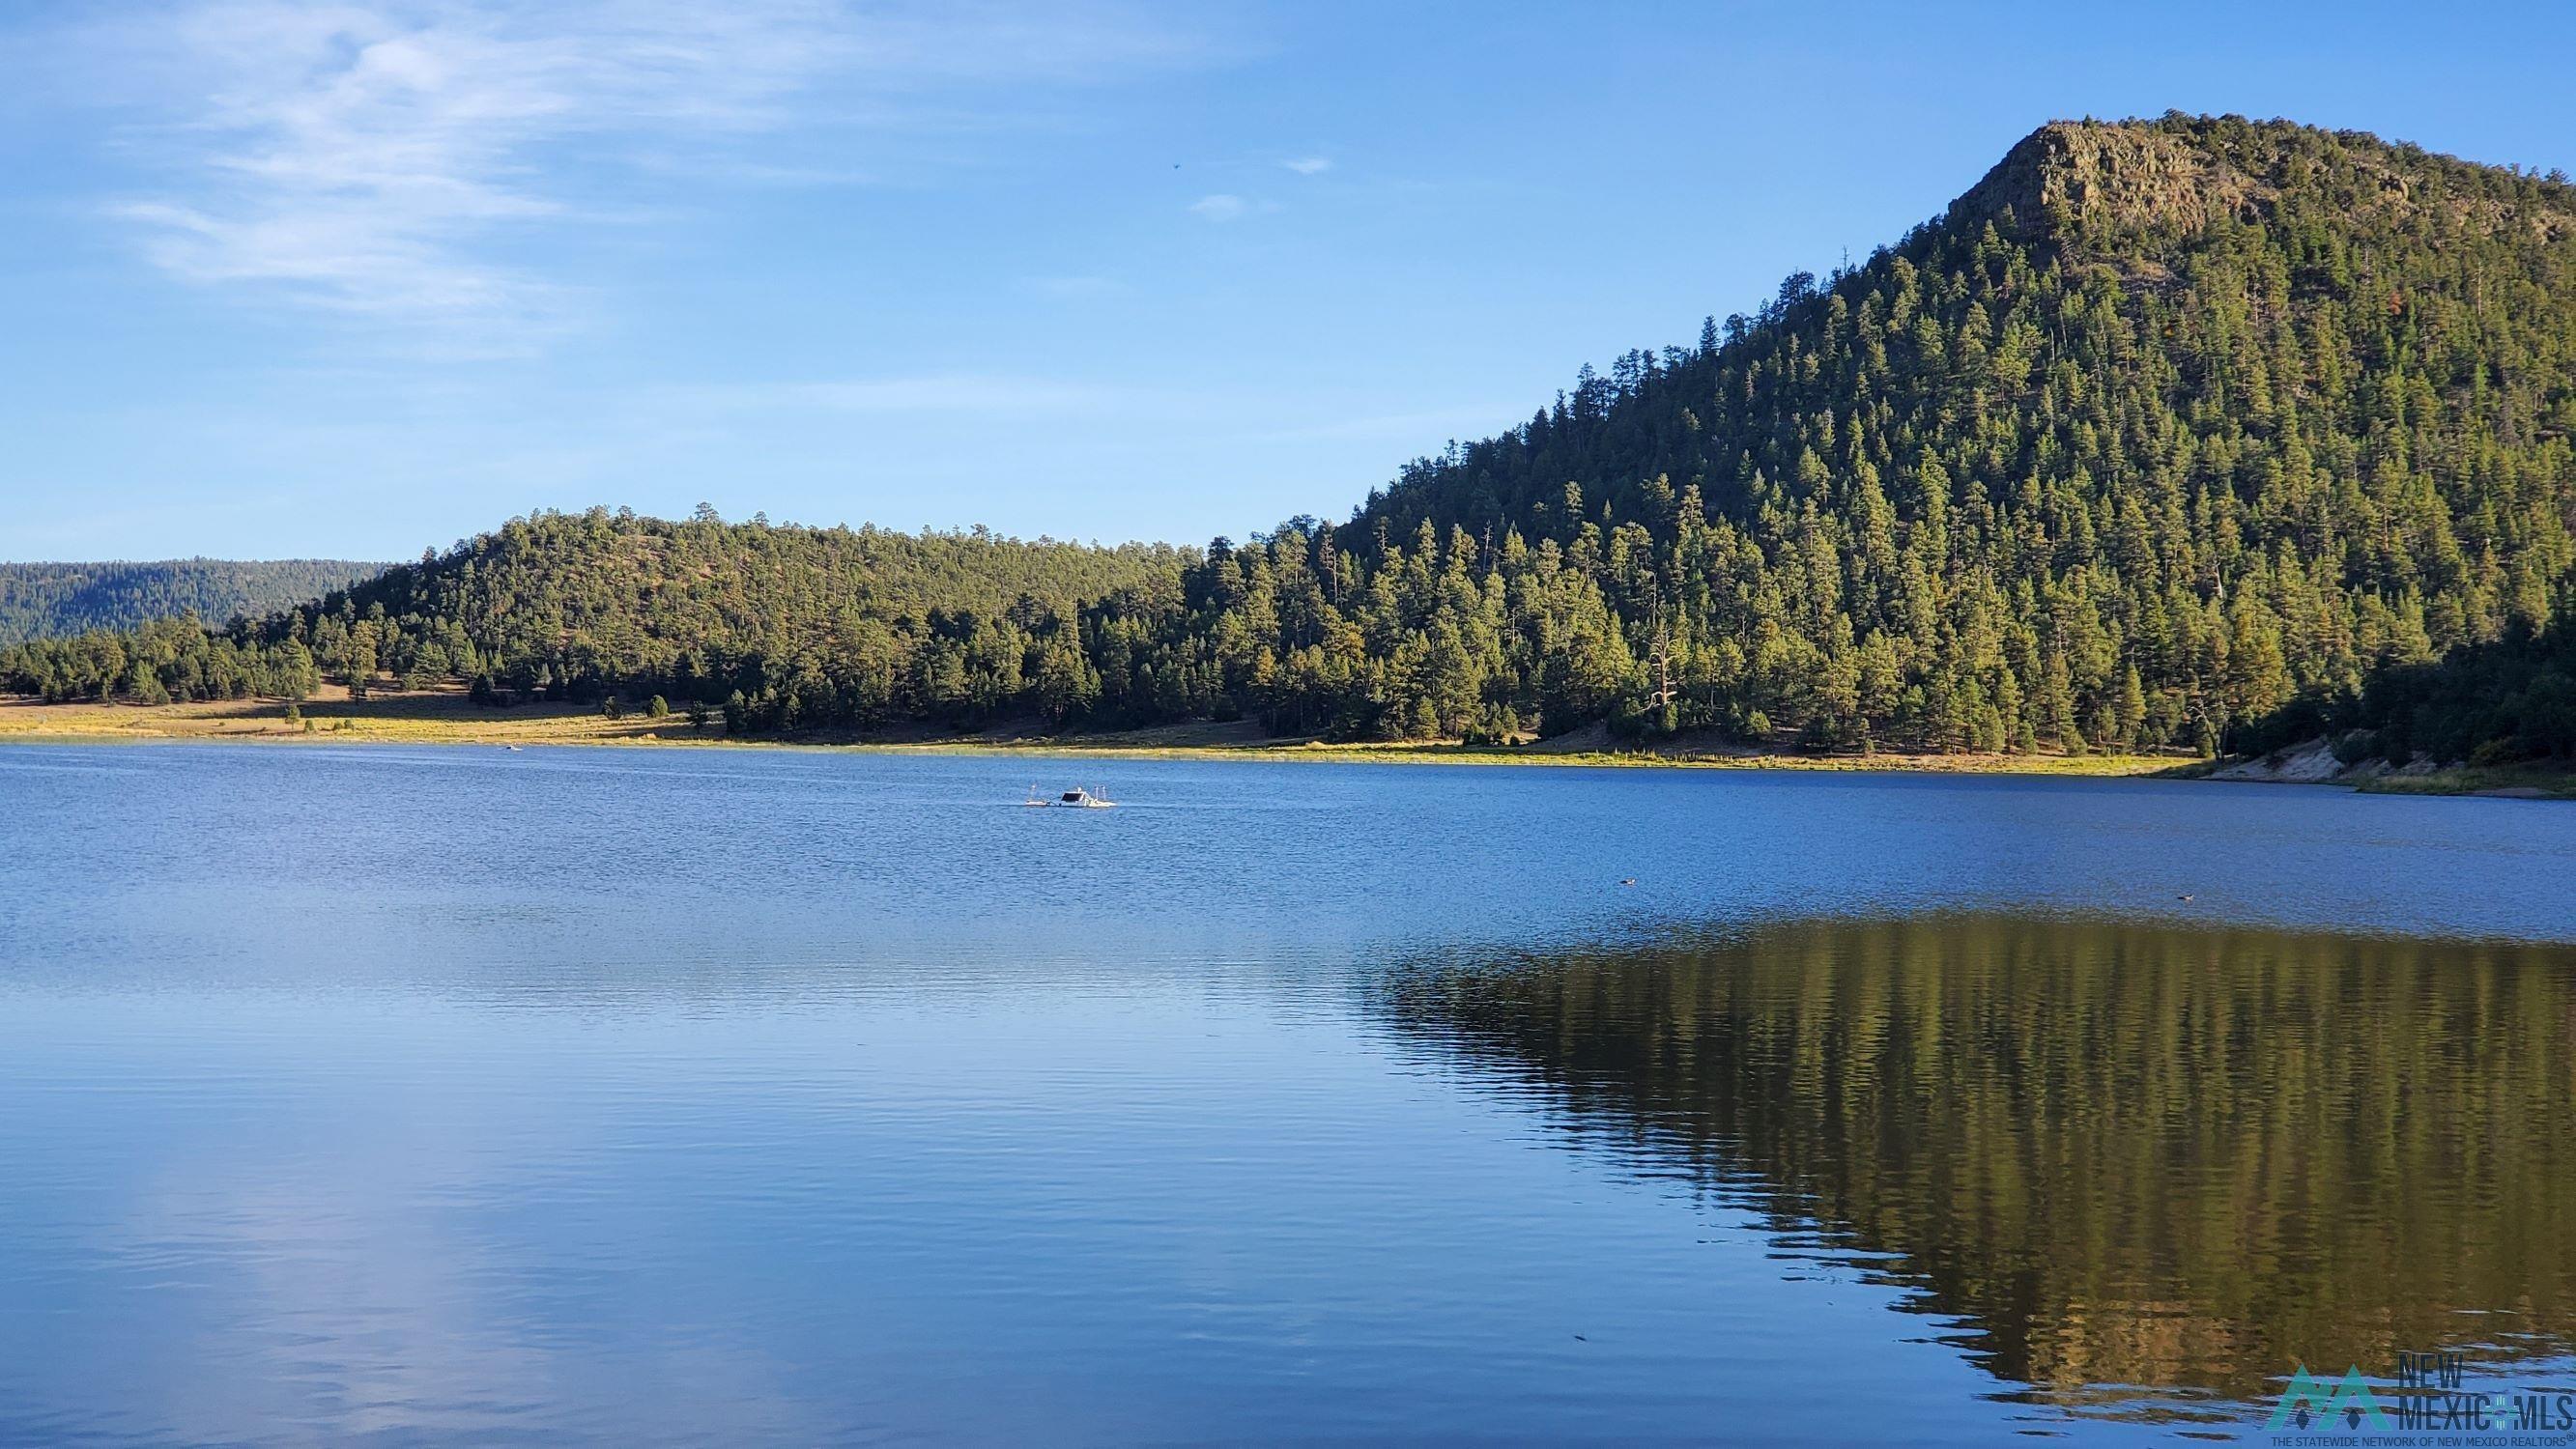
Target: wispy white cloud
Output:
[
  {"x": 1309, "y": 165},
  {"x": 1222, "y": 206},
  {"x": 389, "y": 159}
]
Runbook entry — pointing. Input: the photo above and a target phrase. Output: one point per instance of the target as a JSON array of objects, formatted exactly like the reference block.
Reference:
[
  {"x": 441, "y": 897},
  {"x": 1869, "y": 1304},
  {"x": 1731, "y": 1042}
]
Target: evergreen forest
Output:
[{"x": 2195, "y": 433}]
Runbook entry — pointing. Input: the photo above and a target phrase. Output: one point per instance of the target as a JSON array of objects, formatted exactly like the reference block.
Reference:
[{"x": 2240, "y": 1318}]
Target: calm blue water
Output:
[{"x": 626, "y": 1096}]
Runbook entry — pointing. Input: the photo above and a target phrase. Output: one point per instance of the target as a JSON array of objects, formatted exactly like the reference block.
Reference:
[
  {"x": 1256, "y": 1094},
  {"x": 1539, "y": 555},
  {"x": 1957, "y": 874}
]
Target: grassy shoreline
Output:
[
  {"x": 445, "y": 717},
  {"x": 1431, "y": 753},
  {"x": 2510, "y": 782}
]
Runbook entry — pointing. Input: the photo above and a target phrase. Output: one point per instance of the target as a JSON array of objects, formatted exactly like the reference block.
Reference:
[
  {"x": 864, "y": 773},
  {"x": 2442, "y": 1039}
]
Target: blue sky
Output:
[{"x": 357, "y": 278}]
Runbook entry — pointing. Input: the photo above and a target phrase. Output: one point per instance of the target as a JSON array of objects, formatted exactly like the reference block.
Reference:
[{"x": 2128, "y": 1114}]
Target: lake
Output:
[{"x": 750, "y": 1096}]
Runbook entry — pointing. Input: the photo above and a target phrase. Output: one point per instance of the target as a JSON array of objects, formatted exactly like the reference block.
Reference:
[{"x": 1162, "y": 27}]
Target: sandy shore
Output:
[{"x": 445, "y": 716}]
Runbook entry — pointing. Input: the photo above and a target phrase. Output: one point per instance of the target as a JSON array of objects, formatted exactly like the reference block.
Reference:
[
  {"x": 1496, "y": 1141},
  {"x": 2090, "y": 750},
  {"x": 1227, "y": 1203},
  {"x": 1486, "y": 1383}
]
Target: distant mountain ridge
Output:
[
  {"x": 54, "y": 600},
  {"x": 2165, "y": 433}
]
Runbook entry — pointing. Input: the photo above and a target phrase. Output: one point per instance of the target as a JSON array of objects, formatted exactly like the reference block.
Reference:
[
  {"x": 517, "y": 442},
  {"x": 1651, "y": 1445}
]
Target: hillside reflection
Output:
[{"x": 2136, "y": 1164}]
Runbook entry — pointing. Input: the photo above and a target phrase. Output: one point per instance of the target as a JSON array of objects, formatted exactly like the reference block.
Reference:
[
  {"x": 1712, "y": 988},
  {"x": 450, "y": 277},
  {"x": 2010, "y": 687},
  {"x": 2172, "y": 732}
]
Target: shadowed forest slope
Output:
[{"x": 52, "y": 600}]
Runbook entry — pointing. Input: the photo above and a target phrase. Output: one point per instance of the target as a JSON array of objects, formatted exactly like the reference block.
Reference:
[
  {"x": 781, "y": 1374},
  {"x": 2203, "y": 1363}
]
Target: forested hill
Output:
[
  {"x": 2163, "y": 429},
  {"x": 50, "y": 600},
  {"x": 576, "y": 606},
  {"x": 2160, "y": 427}
]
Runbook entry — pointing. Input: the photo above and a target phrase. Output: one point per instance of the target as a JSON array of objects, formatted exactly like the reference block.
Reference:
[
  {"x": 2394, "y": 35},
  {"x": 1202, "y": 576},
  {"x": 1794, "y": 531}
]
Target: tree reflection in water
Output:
[{"x": 2137, "y": 1164}]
